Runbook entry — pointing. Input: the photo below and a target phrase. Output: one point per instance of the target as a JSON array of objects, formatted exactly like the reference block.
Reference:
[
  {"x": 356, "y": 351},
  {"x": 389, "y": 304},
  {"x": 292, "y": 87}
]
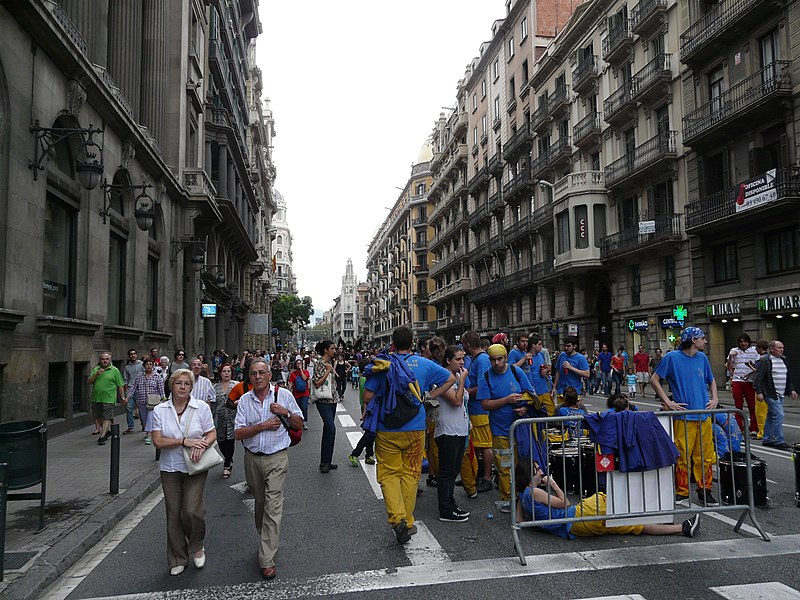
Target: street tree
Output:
[{"x": 291, "y": 313}]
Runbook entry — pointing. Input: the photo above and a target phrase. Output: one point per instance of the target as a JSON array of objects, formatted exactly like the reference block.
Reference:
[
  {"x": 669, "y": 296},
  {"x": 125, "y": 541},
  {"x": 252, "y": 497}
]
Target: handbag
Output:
[
  {"x": 295, "y": 435},
  {"x": 323, "y": 392},
  {"x": 209, "y": 459},
  {"x": 154, "y": 400}
]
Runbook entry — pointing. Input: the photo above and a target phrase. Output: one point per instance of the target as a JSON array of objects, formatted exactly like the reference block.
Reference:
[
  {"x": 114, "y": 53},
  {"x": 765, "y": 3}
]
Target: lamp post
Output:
[
  {"x": 89, "y": 168},
  {"x": 144, "y": 206}
]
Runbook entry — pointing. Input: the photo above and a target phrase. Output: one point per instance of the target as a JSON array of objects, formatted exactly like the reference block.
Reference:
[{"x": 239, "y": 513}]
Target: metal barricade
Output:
[{"x": 564, "y": 445}]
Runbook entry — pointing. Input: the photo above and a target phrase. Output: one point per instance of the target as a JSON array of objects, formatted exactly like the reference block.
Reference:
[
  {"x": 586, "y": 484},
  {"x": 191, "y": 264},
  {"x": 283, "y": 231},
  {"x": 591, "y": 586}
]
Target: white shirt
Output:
[
  {"x": 165, "y": 419},
  {"x": 453, "y": 420},
  {"x": 744, "y": 363},
  {"x": 204, "y": 390},
  {"x": 250, "y": 411}
]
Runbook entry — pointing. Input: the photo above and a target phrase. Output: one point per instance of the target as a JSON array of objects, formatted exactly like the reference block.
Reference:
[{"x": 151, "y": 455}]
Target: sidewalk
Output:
[{"x": 79, "y": 509}]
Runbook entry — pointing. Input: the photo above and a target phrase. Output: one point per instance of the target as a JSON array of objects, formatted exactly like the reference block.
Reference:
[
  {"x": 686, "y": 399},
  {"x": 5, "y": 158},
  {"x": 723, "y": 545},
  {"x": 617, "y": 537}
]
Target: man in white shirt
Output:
[
  {"x": 203, "y": 388},
  {"x": 742, "y": 362},
  {"x": 262, "y": 416}
]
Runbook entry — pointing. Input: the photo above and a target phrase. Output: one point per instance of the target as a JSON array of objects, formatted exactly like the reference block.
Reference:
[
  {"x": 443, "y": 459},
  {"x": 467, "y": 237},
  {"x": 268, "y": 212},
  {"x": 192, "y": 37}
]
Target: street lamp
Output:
[
  {"x": 144, "y": 206},
  {"x": 89, "y": 168}
]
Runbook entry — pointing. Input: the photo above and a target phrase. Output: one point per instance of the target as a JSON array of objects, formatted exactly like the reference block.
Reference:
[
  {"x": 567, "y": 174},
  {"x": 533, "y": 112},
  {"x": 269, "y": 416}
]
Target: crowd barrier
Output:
[{"x": 574, "y": 462}]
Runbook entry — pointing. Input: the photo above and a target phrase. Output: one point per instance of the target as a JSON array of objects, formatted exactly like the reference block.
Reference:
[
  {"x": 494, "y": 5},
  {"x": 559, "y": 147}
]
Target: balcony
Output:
[
  {"x": 496, "y": 242},
  {"x": 710, "y": 29},
  {"x": 541, "y": 217},
  {"x": 558, "y": 154},
  {"x": 518, "y": 143},
  {"x": 419, "y": 222},
  {"x": 744, "y": 104},
  {"x": 652, "y": 83},
  {"x": 484, "y": 138},
  {"x": 421, "y": 297},
  {"x": 518, "y": 230},
  {"x": 512, "y": 105},
  {"x": 540, "y": 119},
  {"x": 479, "y": 214},
  {"x": 668, "y": 229},
  {"x": 646, "y": 16},
  {"x": 558, "y": 102},
  {"x": 458, "y": 286},
  {"x": 586, "y": 134},
  {"x": 714, "y": 209},
  {"x": 620, "y": 107},
  {"x": 580, "y": 182},
  {"x": 618, "y": 43},
  {"x": 495, "y": 202},
  {"x": 487, "y": 290},
  {"x": 643, "y": 162},
  {"x": 460, "y": 125},
  {"x": 522, "y": 182},
  {"x": 584, "y": 75},
  {"x": 495, "y": 165},
  {"x": 542, "y": 270},
  {"x": 421, "y": 243},
  {"x": 479, "y": 181},
  {"x": 478, "y": 252}
]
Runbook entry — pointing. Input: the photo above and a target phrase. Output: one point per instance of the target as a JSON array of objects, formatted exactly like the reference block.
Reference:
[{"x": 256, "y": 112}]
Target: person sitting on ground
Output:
[
  {"x": 619, "y": 402},
  {"x": 727, "y": 435},
  {"x": 572, "y": 406},
  {"x": 541, "y": 499}
]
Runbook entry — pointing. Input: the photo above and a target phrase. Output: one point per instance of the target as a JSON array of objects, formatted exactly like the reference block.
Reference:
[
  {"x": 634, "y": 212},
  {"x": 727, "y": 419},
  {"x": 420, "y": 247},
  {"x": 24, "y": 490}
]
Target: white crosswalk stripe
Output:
[{"x": 772, "y": 590}]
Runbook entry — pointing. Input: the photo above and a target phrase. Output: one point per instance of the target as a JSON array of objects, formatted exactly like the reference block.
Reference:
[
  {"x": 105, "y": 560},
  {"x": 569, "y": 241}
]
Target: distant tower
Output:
[{"x": 345, "y": 320}]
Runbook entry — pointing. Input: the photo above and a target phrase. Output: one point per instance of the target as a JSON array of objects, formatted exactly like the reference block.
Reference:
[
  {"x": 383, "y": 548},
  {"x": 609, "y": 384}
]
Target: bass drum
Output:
[
  {"x": 564, "y": 464},
  {"x": 733, "y": 479}
]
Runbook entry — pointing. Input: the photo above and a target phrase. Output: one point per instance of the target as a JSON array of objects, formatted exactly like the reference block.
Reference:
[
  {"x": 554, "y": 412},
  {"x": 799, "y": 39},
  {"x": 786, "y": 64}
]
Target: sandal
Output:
[{"x": 226, "y": 473}]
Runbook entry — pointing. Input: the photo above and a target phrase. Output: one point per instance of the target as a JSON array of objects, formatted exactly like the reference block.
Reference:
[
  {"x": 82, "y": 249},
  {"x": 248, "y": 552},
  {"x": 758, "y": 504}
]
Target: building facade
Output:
[
  {"x": 283, "y": 272},
  {"x": 114, "y": 239},
  {"x": 345, "y": 309}
]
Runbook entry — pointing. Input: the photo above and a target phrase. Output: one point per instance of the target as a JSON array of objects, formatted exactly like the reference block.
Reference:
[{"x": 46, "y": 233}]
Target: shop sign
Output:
[
  {"x": 209, "y": 310},
  {"x": 756, "y": 191},
  {"x": 778, "y": 302},
  {"x": 722, "y": 309},
  {"x": 670, "y": 323},
  {"x": 572, "y": 329},
  {"x": 638, "y": 324}
]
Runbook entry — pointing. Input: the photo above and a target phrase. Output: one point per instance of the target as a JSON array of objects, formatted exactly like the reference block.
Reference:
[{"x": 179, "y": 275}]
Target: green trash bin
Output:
[{"x": 23, "y": 446}]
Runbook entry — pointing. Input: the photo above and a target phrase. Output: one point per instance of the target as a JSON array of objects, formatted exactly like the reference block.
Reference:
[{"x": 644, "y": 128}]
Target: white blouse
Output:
[{"x": 165, "y": 419}]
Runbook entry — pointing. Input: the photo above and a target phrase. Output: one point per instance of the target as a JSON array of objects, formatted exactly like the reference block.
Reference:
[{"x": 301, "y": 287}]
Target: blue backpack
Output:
[{"x": 300, "y": 385}]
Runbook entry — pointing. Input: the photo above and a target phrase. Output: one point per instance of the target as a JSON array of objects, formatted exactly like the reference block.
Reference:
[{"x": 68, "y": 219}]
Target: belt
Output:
[{"x": 263, "y": 453}]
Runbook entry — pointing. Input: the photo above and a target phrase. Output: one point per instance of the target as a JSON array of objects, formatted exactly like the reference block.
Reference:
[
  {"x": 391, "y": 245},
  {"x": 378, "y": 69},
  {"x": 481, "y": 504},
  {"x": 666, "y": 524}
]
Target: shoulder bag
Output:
[
  {"x": 209, "y": 459},
  {"x": 323, "y": 392}
]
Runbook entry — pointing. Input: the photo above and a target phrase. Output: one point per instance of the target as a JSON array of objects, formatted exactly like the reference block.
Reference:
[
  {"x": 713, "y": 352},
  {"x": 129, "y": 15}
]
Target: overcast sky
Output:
[{"x": 355, "y": 88}]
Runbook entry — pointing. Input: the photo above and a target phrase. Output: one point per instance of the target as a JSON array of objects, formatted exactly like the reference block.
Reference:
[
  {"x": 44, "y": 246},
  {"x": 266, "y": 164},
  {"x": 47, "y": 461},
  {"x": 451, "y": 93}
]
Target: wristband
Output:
[{"x": 183, "y": 441}]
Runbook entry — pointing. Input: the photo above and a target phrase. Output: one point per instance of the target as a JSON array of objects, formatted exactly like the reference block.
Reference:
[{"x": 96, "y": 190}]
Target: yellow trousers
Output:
[
  {"x": 547, "y": 403},
  {"x": 399, "y": 455},
  {"x": 695, "y": 442},
  {"x": 502, "y": 461},
  {"x": 761, "y": 416}
]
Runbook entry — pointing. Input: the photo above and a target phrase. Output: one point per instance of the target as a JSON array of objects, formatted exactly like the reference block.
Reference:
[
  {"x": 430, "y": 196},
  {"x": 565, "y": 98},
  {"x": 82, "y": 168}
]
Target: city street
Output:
[{"x": 335, "y": 540}]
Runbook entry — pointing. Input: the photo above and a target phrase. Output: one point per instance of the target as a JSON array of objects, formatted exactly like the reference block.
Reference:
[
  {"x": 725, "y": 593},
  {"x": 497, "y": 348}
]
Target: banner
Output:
[{"x": 757, "y": 191}]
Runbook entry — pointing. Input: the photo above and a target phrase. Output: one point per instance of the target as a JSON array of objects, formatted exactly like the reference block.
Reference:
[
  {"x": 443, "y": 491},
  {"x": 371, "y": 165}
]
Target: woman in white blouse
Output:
[{"x": 183, "y": 421}]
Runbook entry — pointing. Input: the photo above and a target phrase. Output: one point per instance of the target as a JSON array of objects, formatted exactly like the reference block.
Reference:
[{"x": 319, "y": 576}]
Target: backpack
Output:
[
  {"x": 406, "y": 409},
  {"x": 532, "y": 400},
  {"x": 300, "y": 385}
]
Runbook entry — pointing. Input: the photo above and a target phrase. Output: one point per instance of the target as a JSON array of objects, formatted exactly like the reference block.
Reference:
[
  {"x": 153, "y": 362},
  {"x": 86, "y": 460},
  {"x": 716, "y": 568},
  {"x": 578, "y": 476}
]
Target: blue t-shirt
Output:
[
  {"x": 604, "y": 358},
  {"x": 429, "y": 375},
  {"x": 630, "y": 379},
  {"x": 515, "y": 355},
  {"x": 689, "y": 378},
  {"x": 570, "y": 378},
  {"x": 541, "y": 385},
  {"x": 499, "y": 385},
  {"x": 480, "y": 364},
  {"x": 545, "y": 513},
  {"x": 730, "y": 429},
  {"x": 572, "y": 426}
]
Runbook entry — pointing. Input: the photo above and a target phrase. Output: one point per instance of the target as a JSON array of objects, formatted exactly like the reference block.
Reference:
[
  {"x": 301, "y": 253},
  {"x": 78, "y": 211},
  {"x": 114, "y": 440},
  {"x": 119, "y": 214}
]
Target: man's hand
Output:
[
  {"x": 670, "y": 405},
  {"x": 513, "y": 398},
  {"x": 270, "y": 424},
  {"x": 278, "y": 409},
  {"x": 712, "y": 403}
]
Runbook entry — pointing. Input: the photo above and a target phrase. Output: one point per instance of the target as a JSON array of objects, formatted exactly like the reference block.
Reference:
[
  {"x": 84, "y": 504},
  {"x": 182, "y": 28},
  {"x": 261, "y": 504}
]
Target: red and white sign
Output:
[{"x": 757, "y": 191}]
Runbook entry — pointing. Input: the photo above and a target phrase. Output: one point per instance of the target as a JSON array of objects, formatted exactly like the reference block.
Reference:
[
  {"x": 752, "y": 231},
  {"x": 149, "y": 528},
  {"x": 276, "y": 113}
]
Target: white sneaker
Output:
[{"x": 176, "y": 570}]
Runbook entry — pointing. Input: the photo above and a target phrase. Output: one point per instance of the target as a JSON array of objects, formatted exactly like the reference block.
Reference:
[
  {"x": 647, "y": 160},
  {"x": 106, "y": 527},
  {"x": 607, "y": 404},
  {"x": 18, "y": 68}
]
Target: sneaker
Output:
[
  {"x": 401, "y": 532},
  {"x": 323, "y": 468},
  {"x": 690, "y": 526},
  {"x": 782, "y": 446},
  {"x": 128, "y": 431},
  {"x": 353, "y": 460},
  {"x": 484, "y": 486},
  {"x": 370, "y": 460},
  {"x": 767, "y": 443},
  {"x": 505, "y": 506},
  {"x": 431, "y": 481},
  {"x": 148, "y": 441},
  {"x": 454, "y": 518},
  {"x": 680, "y": 497},
  {"x": 305, "y": 427},
  {"x": 412, "y": 530},
  {"x": 705, "y": 498},
  {"x": 463, "y": 513},
  {"x": 473, "y": 495}
]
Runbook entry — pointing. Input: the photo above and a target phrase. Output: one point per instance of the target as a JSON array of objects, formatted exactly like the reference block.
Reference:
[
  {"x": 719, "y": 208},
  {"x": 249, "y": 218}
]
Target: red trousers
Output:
[{"x": 743, "y": 390}]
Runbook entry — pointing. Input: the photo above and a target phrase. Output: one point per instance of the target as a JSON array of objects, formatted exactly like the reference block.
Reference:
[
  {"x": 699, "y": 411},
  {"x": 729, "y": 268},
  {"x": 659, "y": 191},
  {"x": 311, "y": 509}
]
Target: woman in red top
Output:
[
  {"x": 298, "y": 384},
  {"x": 617, "y": 370}
]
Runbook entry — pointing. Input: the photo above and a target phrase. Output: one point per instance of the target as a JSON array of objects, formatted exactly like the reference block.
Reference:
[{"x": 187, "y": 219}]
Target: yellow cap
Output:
[{"x": 497, "y": 350}]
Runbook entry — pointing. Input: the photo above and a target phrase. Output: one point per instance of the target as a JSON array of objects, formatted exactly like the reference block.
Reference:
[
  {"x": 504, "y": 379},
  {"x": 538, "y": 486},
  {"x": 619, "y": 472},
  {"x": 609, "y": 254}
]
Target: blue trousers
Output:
[{"x": 327, "y": 411}]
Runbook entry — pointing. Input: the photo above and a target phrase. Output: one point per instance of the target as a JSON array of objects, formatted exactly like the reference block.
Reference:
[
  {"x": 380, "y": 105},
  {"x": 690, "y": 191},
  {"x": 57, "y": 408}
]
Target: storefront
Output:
[
  {"x": 725, "y": 325},
  {"x": 780, "y": 320}
]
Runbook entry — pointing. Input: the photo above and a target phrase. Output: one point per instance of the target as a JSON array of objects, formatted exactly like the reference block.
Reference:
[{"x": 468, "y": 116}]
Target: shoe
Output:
[
  {"x": 176, "y": 570},
  {"x": 420, "y": 491},
  {"x": 101, "y": 442},
  {"x": 705, "y": 498},
  {"x": 680, "y": 497},
  {"x": 453, "y": 518},
  {"x": 353, "y": 460},
  {"x": 782, "y": 446},
  {"x": 431, "y": 481},
  {"x": 305, "y": 427},
  {"x": 333, "y": 466},
  {"x": 473, "y": 495},
  {"x": 95, "y": 433},
  {"x": 459, "y": 483},
  {"x": 107, "y": 435},
  {"x": 401, "y": 532},
  {"x": 412, "y": 530},
  {"x": 370, "y": 460},
  {"x": 458, "y": 511},
  {"x": 226, "y": 473},
  {"x": 690, "y": 526},
  {"x": 484, "y": 486},
  {"x": 148, "y": 440},
  {"x": 757, "y": 436},
  {"x": 505, "y": 506},
  {"x": 128, "y": 431},
  {"x": 268, "y": 573},
  {"x": 324, "y": 468},
  {"x": 200, "y": 562},
  {"x": 767, "y": 443}
]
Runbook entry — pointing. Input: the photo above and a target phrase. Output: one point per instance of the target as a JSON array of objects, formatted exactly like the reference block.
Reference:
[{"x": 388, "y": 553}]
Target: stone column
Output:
[
  {"x": 125, "y": 48},
  {"x": 155, "y": 67},
  {"x": 222, "y": 187},
  {"x": 231, "y": 182}
]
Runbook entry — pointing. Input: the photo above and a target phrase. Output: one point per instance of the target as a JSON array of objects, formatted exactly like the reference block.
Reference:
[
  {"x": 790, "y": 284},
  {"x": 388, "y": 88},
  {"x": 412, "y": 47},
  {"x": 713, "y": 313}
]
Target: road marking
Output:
[
  {"x": 497, "y": 568},
  {"x": 369, "y": 470},
  {"x": 423, "y": 549},
  {"x": 625, "y": 597},
  {"x": 340, "y": 408},
  {"x": 346, "y": 420},
  {"x": 75, "y": 575},
  {"x": 771, "y": 590}
]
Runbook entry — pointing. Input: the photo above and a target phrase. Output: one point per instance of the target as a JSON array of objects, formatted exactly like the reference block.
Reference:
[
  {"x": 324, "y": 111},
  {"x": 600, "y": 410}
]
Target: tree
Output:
[{"x": 290, "y": 313}]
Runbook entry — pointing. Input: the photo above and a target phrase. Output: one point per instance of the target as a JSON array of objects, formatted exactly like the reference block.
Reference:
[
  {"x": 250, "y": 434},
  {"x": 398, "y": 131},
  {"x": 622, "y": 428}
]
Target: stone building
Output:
[
  {"x": 114, "y": 239},
  {"x": 345, "y": 315},
  {"x": 283, "y": 273}
]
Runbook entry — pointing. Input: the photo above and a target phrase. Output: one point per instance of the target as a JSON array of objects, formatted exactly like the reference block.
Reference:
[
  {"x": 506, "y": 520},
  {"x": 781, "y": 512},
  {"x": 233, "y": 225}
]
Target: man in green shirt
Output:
[{"x": 107, "y": 388}]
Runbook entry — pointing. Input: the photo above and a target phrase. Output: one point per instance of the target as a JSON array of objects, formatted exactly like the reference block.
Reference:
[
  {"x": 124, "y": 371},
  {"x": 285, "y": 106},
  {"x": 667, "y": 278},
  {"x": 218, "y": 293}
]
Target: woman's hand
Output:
[{"x": 195, "y": 443}]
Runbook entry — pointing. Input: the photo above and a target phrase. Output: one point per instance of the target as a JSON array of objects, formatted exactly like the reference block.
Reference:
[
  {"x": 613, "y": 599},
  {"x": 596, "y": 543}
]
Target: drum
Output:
[
  {"x": 564, "y": 463},
  {"x": 796, "y": 460},
  {"x": 733, "y": 479},
  {"x": 588, "y": 470}
]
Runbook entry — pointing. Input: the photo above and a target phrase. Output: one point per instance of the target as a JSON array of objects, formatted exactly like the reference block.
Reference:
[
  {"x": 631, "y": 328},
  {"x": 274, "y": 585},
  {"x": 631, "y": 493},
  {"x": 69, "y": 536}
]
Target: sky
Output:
[{"x": 355, "y": 87}]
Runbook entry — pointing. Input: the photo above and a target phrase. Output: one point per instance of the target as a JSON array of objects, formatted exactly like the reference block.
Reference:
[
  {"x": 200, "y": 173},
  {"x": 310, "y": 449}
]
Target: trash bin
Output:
[{"x": 21, "y": 447}]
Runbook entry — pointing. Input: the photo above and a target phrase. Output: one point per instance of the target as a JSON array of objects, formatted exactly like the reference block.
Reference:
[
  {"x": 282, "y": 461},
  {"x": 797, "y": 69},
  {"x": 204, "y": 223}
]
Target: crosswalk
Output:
[{"x": 771, "y": 590}]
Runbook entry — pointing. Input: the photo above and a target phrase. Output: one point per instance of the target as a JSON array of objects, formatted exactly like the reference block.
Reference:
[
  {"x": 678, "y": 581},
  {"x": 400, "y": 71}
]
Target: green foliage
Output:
[{"x": 289, "y": 313}]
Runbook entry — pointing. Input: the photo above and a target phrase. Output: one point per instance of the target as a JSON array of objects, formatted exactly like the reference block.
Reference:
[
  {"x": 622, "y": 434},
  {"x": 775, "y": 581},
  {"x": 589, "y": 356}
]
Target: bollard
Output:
[
  {"x": 114, "y": 485},
  {"x": 3, "y": 505}
]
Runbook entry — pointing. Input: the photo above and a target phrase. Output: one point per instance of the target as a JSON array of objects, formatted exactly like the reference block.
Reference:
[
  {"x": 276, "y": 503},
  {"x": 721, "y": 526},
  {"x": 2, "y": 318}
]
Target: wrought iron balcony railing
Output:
[
  {"x": 667, "y": 228},
  {"x": 647, "y": 154}
]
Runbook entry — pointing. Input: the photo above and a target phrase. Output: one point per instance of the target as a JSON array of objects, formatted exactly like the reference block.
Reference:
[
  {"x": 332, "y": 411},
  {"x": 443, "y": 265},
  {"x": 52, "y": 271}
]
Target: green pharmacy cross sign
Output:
[
  {"x": 673, "y": 338},
  {"x": 680, "y": 312}
]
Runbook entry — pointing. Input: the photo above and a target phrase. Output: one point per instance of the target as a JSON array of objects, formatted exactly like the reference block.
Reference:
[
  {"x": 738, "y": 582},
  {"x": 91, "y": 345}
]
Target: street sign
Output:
[
  {"x": 209, "y": 310},
  {"x": 637, "y": 324}
]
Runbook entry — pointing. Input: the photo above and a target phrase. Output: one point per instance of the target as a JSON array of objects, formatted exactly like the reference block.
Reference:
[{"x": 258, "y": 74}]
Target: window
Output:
[
  {"x": 116, "y": 280},
  {"x": 496, "y": 69},
  {"x": 475, "y": 136},
  {"x": 636, "y": 285},
  {"x": 152, "y": 293},
  {"x": 79, "y": 387},
  {"x": 726, "y": 264},
  {"x": 716, "y": 86},
  {"x": 670, "y": 278},
  {"x": 562, "y": 226},
  {"x": 511, "y": 48},
  {"x": 483, "y": 89},
  {"x": 497, "y": 107},
  {"x": 581, "y": 227},
  {"x": 483, "y": 124},
  {"x": 512, "y": 88},
  {"x": 56, "y": 390},
  {"x": 570, "y": 299},
  {"x": 783, "y": 250},
  {"x": 599, "y": 218},
  {"x": 525, "y": 74},
  {"x": 474, "y": 102},
  {"x": 523, "y": 28},
  {"x": 58, "y": 274}
]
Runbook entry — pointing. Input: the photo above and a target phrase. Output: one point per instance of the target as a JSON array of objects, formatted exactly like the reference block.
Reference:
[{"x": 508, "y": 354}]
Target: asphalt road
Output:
[{"x": 335, "y": 540}]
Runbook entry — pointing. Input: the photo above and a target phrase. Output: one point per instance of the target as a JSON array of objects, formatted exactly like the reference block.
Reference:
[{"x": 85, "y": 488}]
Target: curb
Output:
[{"x": 68, "y": 550}]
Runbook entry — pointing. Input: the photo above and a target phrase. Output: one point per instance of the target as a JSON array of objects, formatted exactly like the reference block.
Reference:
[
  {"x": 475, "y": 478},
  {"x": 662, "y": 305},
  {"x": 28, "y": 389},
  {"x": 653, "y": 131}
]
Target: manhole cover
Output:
[{"x": 17, "y": 560}]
